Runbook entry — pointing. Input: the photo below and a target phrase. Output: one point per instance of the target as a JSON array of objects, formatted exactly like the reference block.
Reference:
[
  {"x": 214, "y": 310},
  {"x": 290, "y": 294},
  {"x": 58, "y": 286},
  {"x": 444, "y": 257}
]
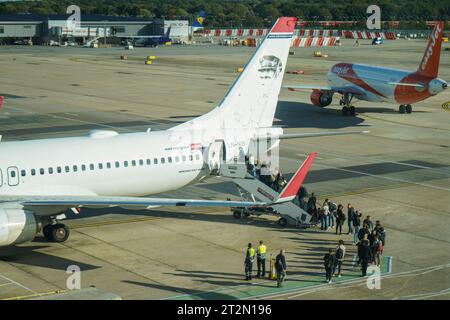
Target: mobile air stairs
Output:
[{"x": 252, "y": 189}]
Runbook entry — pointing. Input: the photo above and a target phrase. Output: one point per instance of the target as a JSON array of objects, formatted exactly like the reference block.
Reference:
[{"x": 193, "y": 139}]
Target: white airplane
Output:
[
  {"x": 41, "y": 179},
  {"x": 380, "y": 84}
]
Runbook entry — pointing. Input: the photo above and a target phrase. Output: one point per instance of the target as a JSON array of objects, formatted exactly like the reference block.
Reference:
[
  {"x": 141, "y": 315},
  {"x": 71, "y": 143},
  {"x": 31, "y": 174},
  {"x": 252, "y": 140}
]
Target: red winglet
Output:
[
  {"x": 284, "y": 24},
  {"x": 291, "y": 189}
]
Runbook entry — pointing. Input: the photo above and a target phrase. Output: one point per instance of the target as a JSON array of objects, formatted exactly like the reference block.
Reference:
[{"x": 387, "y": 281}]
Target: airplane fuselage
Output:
[
  {"x": 378, "y": 84},
  {"x": 103, "y": 163}
]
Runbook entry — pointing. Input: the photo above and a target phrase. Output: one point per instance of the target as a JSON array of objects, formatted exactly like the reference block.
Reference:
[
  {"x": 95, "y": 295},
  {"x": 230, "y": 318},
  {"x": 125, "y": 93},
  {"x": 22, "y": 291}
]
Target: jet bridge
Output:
[{"x": 252, "y": 189}]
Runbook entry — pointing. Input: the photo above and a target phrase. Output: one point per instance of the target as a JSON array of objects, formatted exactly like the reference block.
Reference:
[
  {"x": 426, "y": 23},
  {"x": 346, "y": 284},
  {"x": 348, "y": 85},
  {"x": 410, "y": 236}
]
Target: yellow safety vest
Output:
[
  {"x": 262, "y": 249},
  {"x": 251, "y": 252}
]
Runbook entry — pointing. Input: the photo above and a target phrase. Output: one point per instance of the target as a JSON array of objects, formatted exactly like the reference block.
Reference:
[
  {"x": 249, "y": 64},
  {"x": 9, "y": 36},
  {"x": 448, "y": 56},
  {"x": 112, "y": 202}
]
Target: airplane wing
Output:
[
  {"x": 308, "y": 87},
  {"x": 127, "y": 202},
  {"x": 417, "y": 85},
  {"x": 319, "y": 134},
  {"x": 347, "y": 89}
]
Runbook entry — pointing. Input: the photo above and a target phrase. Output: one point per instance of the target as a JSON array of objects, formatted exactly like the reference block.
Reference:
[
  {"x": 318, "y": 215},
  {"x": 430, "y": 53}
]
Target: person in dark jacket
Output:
[
  {"x": 368, "y": 223},
  {"x": 329, "y": 262},
  {"x": 364, "y": 231},
  {"x": 312, "y": 203},
  {"x": 364, "y": 254},
  {"x": 357, "y": 225},
  {"x": 350, "y": 216},
  {"x": 380, "y": 231},
  {"x": 280, "y": 267},
  {"x": 340, "y": 218}
]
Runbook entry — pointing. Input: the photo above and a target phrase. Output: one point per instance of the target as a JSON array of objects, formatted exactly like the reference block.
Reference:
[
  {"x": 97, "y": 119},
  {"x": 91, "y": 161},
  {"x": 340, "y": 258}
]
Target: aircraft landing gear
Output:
[
  {"x": 347, "y": 108},
  {"x": 56, "y": 232},
  {"x": 405, "y": 108}
]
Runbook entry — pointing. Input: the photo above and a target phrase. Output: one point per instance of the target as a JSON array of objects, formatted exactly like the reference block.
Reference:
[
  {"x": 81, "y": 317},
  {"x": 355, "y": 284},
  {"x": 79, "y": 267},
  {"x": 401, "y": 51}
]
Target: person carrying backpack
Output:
[
  {"x": 340, "y": 255},
  {"x": 329, "y": 261}
]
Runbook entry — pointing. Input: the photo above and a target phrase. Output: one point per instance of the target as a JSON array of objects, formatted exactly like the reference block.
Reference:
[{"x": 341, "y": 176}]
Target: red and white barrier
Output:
[
  {"x": 314, "y": 42},
  {"x": 307, "y": 33}
]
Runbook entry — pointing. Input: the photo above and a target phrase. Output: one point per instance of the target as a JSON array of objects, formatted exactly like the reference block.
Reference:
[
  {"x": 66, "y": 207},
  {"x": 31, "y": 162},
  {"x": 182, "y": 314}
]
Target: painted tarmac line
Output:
[
  {"x": 17, "y": 284},
  {"x": 386, "y": 178},
  {"x": 372, "y": 159},
  {"x": 234, "y": 293},
  {"x": 85, "y": 122}
]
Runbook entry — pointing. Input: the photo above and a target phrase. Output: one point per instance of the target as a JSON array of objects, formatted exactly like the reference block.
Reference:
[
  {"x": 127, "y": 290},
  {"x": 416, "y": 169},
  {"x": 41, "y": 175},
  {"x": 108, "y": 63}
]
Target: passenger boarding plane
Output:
[
  {"x": 40, "y": 179},
  {"x": 380, "y": 84}
]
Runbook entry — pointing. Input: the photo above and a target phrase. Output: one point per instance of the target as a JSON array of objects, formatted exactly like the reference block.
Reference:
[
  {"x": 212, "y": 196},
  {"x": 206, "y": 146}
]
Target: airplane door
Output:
[
  {"x": 13, "y": 176},
  {"x": 1, "y": 178},
  {"x": 215, "y": 155}
]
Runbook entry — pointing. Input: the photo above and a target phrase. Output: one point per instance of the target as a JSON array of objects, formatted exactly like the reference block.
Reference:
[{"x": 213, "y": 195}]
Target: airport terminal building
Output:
[{"x": 43, "y": 28}]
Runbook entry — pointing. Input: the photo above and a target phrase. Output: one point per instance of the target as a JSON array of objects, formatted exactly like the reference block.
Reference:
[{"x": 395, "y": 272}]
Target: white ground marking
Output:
[{"x": 17, "y": 284}]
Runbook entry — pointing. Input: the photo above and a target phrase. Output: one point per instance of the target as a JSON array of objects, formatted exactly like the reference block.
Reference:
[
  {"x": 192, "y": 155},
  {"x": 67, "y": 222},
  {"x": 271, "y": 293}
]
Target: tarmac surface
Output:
[{"x": 399, "y": 173}]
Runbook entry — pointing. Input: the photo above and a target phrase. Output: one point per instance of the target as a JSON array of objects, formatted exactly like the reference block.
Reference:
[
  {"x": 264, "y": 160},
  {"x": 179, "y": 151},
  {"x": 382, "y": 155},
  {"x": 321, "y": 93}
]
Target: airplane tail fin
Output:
[
  {"x": 252, "y": 99},
  {"x": 290, "y": 191},
  {"x": 198, "y": 23},
  {"x": 429, "y": 65}
]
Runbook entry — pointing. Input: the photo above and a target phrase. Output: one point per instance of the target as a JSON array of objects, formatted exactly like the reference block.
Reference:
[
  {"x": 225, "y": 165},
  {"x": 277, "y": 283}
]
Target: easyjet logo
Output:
[
  {"x": 340, "y": 70},
  {"x": 430, "y": 48}
]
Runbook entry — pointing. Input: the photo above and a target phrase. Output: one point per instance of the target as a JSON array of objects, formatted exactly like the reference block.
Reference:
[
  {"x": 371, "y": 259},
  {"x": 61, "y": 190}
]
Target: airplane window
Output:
[
  {"x": 125, "y": 163},
  {"x": 83, "y": 167},
  {"x": 75, "y": 168},
  {"x": 41, "y": 171},
  {"x": 155, "y": 161},
  {"x": 197, "y": 156},
  {"x": 23, "y": 173},
  {"x": 50, "y": 170},
  {"x": 177, "y": 159},
  {"x": 58, "y": 169},
  {"x": 133, "y": 163},
  {"x": 169, "y": 159},
  {"x": 67, "y": 168},
  {"x": 100, "y": 165},
  {"x": 149, "y": 161},
  {"x": 191, "y": 158},
  {"x": 108, "y": 165},
  {"x": 33, "y": 172},
  {"x": 184, "y": 158},
  {"x": 163, "y": 160},
  {"x": 141, "y": 162},
  {"x": 117, "y": 164},
  {"x": 91, "y": 166},
  {"x": 13, "y": 174}
]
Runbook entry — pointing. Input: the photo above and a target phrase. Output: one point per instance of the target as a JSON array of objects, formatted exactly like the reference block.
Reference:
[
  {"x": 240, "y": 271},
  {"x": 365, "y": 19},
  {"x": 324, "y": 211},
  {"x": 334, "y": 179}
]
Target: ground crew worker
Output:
[
  {"x": 280, "y": 267},
  {"x": 249, "y": 258},
  {"x": 261, "y": 259}
]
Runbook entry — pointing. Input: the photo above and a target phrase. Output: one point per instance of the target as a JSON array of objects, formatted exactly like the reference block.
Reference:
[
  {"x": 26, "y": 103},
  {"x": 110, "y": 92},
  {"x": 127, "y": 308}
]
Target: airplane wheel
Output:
[
  {"x": 345, "y": 111},
  {"x": 237, "y": 214},
  {"x": 57, "y": 232},
  {"x": 282, "y": 222},
  {"x": 352, "y": 110},
  {"x": 402, "y": 108},
  {"x": 408, "y": 108}
]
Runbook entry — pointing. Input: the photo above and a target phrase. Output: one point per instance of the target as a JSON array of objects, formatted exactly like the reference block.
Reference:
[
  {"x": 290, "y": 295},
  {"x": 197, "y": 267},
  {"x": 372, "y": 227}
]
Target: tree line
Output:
[{"x": 245, "y": 13}]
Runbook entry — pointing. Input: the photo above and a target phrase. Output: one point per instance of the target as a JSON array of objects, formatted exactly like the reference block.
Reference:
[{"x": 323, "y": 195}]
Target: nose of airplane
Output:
[{"x": 444, "y": 85}]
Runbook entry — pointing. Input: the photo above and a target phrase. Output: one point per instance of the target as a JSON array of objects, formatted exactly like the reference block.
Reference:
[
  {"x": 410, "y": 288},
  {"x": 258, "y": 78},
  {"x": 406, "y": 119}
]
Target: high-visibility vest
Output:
[
  {"x": 262, "y": 249},
  {"x": 251, "y": 252}
]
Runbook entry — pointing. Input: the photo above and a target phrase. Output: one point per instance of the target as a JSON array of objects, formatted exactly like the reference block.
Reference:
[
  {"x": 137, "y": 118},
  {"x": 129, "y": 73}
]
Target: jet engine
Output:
[
  {"x": 17, "y": 225},
  {"x": 321, "y": 98}
]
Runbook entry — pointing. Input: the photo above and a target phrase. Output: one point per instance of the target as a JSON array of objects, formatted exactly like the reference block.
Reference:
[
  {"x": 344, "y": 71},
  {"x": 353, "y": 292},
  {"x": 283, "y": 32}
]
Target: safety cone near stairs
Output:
[{"x": 272, "y": 273}]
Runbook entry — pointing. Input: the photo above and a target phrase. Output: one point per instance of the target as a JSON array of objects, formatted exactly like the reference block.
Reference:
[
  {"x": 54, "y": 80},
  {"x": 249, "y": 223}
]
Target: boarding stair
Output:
[{"x": 251, "y": 188}]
